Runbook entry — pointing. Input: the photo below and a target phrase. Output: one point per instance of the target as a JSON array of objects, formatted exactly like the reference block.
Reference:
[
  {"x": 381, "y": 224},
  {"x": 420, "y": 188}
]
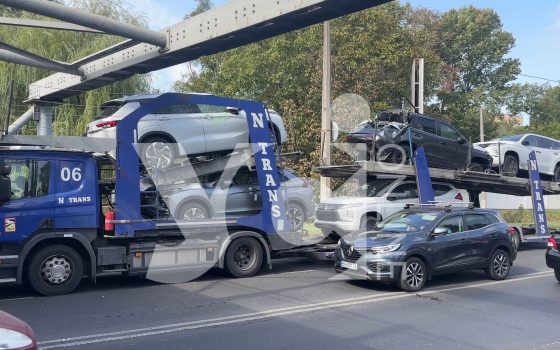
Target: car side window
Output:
[
  {"x": 452, "y": 224},
  {"x": 426, "y": 125},
  {"x": 178, "y": 109},
  {"x": 532, "y": 141},
  {"x": 243, "y": 178},
  {"x": 440, "y": 190},
  {"x": 492, "y": 219},
  {"x": 546, "y": 143},
  {"x": 30, "y": 178},
  {"x": 405, "y": 191},
  {"x": 448, "y": 132},
  {"x": 475, "y": 221}
]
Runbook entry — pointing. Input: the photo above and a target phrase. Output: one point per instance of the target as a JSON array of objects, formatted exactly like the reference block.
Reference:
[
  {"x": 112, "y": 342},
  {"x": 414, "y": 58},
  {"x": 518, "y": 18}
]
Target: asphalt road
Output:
[{"x": 301, "y": 304}]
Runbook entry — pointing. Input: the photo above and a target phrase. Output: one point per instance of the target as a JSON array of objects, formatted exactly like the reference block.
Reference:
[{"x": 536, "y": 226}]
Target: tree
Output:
[
  {"x": 201, "y": 6},
  {"x": 525, "y": 98},
  {"x": 474, "y": 47},
  {"x": 71, "y": 117},
  {"x": 547, "y": 110}
]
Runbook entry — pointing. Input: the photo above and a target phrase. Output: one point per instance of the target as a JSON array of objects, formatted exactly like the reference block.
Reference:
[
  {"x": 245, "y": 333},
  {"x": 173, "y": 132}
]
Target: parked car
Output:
[
  {"x": 214, "y": 197},
  {"x": 553, "y": 255},
  {"x": 380, "y": 200},
  {"x": 514, "y": 152},
  {"x": 444, "y": 145},
  {"x": 15, "y": 334},
  {"x": 180, "y": 130},
  {"x": 413, "y": 245}
]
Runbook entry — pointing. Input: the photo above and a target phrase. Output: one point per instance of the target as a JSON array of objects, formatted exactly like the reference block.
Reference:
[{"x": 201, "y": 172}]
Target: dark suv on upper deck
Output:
[
  {"x": 444, "y": 145},
  {"x": 414, "y": 244}
]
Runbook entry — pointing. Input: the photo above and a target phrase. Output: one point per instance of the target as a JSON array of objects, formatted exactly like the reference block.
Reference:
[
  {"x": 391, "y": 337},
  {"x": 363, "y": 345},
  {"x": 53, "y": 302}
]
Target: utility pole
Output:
[
  {"x": 481, "y": 123},
  {"x": 325, "y": 186},
  {"x": 417, "y": 85}
]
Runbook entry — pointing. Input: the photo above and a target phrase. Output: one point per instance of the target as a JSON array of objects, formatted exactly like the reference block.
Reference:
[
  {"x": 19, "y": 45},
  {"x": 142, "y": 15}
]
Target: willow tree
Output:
[{"x": 71, "y": 117}]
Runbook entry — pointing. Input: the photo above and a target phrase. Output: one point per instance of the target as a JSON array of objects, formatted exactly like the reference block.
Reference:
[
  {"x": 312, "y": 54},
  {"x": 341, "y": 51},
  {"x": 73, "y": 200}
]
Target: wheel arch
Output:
[
  {"x": 233, "y": 236},
  {"x": 162, "y": 134},
  {"x": 425, "y": 260},
  {"x": 504, "y": 247},
  {"x": 75, "y": 240},
  {"x": 371, "y": 212}
]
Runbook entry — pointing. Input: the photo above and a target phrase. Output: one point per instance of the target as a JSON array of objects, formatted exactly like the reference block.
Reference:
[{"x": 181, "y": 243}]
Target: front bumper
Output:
[
  {"x": 552, "y": 258},
  {"x": 385, "y": 268}
]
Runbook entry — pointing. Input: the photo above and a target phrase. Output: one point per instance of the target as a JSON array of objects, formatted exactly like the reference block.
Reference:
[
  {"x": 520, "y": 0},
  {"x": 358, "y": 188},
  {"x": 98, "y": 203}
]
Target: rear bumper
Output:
[{"x": 553, "y": 259}]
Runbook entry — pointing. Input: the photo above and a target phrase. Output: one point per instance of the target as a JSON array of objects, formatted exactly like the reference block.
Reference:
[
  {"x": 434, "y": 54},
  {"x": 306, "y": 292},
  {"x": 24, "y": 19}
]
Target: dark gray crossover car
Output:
[
  {"x": 553, "y": 254},
  {"x": 216, "y": 197},
  {"x": 413, "y": 245}
]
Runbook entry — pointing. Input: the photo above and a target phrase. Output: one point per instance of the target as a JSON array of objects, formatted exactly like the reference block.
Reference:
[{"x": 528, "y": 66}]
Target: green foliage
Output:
[
  {"x": 201, "y": 6},
  {"x": 70, "y": 118}
]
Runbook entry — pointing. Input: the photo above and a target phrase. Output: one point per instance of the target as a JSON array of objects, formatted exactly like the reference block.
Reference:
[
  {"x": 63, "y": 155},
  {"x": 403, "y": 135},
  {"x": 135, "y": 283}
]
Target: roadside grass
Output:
[{"x": 524, "y": 217}]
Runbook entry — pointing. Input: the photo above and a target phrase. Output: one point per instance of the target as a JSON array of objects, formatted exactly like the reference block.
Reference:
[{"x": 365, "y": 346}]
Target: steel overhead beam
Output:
[
  {"x": 33, "y": 23},
  {"x": 235, "y": 24},
  {"x": 13, "y": 54},
  {"x": 90, "y": 20}
]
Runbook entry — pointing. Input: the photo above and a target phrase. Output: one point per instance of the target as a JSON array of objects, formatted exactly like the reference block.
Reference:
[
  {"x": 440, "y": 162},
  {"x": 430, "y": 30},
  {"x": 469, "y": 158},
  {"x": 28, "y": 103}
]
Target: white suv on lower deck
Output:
[{"x": 381, "y": 199}]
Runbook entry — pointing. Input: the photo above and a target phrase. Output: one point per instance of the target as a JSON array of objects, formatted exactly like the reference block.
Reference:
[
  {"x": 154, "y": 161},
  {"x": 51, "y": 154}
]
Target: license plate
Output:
[{"x": 349, "y": 265}]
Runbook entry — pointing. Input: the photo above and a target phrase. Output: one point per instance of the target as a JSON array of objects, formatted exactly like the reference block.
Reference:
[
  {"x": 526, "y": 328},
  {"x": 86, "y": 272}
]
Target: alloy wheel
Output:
[
  {"x": 158, "y": 155},
  {"x": 414, "y": 275},
  {"x": 501, "y": 265}
]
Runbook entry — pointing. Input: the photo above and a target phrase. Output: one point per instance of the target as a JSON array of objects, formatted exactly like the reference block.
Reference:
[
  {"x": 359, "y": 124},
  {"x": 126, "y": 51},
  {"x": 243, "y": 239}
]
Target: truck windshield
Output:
[{"x": 407, "y": 222}]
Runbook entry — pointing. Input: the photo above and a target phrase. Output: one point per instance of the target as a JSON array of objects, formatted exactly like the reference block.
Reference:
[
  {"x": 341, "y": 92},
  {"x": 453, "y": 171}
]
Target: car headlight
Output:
[
  {"x": 385, "y": 249},
  {"x": 10, "y": 339}
]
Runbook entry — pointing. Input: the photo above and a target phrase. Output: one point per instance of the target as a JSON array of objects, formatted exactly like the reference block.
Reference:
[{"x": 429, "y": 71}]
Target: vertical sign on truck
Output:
[{"x": 537, "y": 195}]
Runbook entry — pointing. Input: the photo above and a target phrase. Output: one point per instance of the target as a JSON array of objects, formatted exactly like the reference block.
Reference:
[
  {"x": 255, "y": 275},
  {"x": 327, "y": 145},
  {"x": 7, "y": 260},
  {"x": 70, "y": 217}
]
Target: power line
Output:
[{"x": 535, "y": 77}]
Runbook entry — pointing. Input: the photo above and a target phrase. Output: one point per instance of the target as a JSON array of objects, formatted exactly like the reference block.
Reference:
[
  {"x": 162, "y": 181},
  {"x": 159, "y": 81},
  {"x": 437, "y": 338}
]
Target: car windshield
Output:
[
  {"x": 511, "y": 138},
  {"x": 407, "y": 222},
  {"x": 378, "y": 188},
  {"x": 109, "y": 109}
]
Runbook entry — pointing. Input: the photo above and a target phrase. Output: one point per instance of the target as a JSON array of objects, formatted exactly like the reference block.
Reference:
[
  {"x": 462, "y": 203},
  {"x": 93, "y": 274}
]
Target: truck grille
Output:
[
  {"x": 349, "y": 252},
  {"x": 327, "y": 215}
]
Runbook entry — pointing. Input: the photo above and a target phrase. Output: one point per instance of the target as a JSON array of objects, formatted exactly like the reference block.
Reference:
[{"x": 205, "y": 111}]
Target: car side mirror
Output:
[
  {"x": 525, "y": 143},
  {"x": 5, "y": 182},
  {"x": 225, "y": 184},
  {"x": 439, "y": 231},
  {"x": 461, "y": 140},
  {"x": 233, "y": 110}
]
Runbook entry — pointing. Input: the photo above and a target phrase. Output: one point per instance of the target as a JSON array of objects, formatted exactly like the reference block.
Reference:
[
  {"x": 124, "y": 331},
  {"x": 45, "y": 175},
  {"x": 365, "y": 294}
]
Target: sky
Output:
[{"x": 535, "y": 26}]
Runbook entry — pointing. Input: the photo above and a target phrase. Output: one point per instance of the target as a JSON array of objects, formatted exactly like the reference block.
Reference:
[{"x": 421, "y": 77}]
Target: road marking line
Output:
[
  {"x": 221, "y": 321},
  {"x": 12, "y": 299}
]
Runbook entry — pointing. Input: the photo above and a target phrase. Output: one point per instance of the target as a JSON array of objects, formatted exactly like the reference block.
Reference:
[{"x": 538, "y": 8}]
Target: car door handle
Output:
[
  {"x": 442, "y": 142},
  {"x": 464, "y": 240}
]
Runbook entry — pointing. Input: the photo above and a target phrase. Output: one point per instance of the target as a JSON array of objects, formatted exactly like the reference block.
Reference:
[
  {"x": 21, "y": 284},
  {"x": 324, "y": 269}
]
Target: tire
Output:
[
  {"x": 499, "y": 265},
  {"x": 67, "y": 265},
  {"x": 556, "y": 176},
  {"x": 244, "y": 257},
  {"x": 192, "y": 211},
  {"x": 413, "y": 276},
  {"x": 158, "y": 152},
  {"x": 296, "y": 214},
  {"x": 476, "y": 167},
  {"x": 557, "y": 274},
  {"x": 510, "y": 166},
  {"x": 368, "y": 222}
]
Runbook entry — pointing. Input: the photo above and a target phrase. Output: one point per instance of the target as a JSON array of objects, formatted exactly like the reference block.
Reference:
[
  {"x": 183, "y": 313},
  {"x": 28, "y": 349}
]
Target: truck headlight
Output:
[
  {"x": 385, "y": 249},
  {"x": 10, "y": 339}
]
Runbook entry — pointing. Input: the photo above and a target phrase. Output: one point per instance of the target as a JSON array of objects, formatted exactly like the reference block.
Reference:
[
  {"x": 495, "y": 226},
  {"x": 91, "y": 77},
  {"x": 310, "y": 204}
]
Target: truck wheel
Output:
[
  {"x": 557, "y": 274},
  {"x": 244, "y": 257},
  {"x": 556, "y": 176},
  {"x": 499, "y": 265},
  {"x": 413, "y": 275},
  {"x": 516, "y": 240},
  {"x": 55, "y": 270}
]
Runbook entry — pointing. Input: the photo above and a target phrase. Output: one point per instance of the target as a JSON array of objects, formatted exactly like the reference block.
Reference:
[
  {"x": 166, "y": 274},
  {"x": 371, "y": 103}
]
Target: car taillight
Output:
[
  {"x": 108, "y": 124},
  {"x": 306, "y": 183},
  {"x": 552, "y": 243},
  {"x": 349, "y": 138},
  {"x": 459, "y": 197},
  {"x": 512, "y": 231}
]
